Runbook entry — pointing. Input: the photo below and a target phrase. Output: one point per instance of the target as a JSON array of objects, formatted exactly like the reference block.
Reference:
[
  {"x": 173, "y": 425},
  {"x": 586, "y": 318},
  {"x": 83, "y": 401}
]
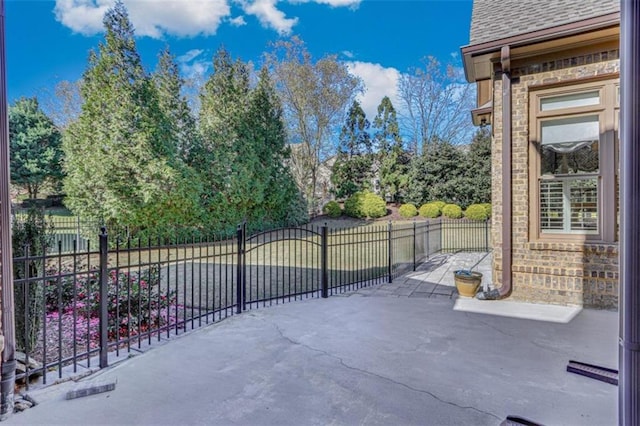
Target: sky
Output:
[{"x": 49, "y": 41}]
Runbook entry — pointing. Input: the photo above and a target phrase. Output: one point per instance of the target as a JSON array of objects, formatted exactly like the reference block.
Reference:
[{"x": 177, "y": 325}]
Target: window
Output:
[{"x": 573, "y": 167}]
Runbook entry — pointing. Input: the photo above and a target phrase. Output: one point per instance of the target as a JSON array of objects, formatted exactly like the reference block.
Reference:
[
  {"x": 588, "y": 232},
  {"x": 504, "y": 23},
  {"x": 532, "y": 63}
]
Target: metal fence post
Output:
[
  {"x": 414, "y": 244},
  {"x": 104, "y": 349},
  {"x": 426, "y": 247},
  {"x": 240, "y": 237},
  {"x": 324, "y": 251},
  {"x": 244, "y": 265},
  {"x": 390, "y": 246},
  {"x": 486, "y": 235}
]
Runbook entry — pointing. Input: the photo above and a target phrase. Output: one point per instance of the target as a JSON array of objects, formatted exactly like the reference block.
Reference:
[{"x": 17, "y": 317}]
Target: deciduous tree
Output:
[
  {"x": 64, "y": 103},
  {"x": 437, "y": 104},
  {"x": 315, "y": 95}
]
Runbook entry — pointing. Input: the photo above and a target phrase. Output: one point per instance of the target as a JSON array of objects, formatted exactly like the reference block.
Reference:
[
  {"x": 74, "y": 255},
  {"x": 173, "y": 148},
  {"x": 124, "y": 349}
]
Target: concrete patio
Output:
[{"x": 396, "y": 354}]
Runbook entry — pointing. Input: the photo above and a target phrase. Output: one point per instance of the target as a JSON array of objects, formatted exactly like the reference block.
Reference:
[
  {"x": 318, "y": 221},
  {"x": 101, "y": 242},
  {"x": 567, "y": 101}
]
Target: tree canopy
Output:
[
  {"x": 35, "y": 145},
  {"x": 315, "y": 95},
  {"x": 352, "y": 170},
  {"x": 119, "y": 159}
]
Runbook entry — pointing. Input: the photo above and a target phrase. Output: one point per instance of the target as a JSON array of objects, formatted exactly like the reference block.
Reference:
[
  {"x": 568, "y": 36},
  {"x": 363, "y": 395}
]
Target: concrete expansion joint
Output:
[{"x": 387, "y": 379}]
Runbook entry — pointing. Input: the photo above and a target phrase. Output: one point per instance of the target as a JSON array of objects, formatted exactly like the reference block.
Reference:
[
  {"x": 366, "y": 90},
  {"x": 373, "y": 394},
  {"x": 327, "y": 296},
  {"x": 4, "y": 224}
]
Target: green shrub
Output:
[
  {"x": 430, "y": 210},
  {"x": 365, "y": 204},
  {"x": 487, "y": 208},
  {"x": 374, "y": 205},
  {"x": 440, "y": 204},
  {"x": 353, "y": 205},
  {"x": 408, "y": 210},
  {"x": 332, "y": 209},
  {"x": 452, "y": 211},
  {"x": 31, "y": 235},
  {"x": 476, "y": 212}
]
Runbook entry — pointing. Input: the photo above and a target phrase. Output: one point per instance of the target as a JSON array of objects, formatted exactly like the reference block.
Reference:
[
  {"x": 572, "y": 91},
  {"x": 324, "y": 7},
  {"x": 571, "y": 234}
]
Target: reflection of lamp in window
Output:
[{"x": 571, "y": 145}]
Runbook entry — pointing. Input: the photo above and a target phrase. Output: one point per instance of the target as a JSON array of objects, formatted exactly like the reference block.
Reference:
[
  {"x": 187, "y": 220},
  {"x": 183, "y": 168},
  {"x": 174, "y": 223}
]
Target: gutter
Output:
[{"x": 505, "y": 289}]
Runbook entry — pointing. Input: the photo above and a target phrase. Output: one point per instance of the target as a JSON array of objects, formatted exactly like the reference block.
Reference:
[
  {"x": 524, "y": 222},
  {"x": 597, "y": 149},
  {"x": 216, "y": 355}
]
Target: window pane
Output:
[
  {"x": 570, "y": 145},
  {"x": 569, "y": 205},
  {"x": 551, "y": 206},
  {"x": 563, "y": 131},
  {"x": 584, "y": 204},
  {"x": 585, "y": 159},
  {"x": 570, "y": 101}
]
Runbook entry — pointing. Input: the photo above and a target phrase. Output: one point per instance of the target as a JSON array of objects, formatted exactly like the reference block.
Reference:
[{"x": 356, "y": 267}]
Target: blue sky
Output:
[{"x": 48, "y": 41}]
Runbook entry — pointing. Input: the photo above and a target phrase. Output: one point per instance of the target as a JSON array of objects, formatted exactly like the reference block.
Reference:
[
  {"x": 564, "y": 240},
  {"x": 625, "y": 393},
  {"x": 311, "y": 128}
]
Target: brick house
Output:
[{"x": 547, "y": 76}]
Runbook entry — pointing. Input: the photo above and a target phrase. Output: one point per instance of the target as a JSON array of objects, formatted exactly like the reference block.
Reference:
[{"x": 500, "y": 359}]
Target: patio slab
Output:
[{"x": 356, "y": 360}]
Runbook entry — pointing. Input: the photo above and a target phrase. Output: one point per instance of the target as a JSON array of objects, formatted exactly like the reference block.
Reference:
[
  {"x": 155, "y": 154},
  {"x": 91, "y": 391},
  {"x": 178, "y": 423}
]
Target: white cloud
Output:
[
  {"x": 238, "y": 21},
  {"x": 379, "y": 82},
  {"x": 184, "y": 18},
  {"x": 269, "y": 15},
  {"x": 195, "y": 70},
  {"x": 348, "y": 54},
  {"x": 84, "y": 17},
  {"x": 332, "y": 3},
  {"x": 191, "y": 67},
  {"x": 190, "y": 55}
]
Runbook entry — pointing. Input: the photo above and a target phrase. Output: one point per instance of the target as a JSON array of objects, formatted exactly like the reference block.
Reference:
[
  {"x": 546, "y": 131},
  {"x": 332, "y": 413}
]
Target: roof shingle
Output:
[{"x": 494, "y": 20}]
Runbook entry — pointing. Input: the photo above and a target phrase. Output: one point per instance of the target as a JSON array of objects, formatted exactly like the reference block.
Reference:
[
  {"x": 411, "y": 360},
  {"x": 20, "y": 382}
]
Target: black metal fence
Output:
[{"x": 77, "y": 306}]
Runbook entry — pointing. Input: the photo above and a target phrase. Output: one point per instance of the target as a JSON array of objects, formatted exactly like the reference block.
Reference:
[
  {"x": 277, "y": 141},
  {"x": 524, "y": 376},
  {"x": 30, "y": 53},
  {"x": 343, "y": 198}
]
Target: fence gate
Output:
[{"x": 282, "y": 264}]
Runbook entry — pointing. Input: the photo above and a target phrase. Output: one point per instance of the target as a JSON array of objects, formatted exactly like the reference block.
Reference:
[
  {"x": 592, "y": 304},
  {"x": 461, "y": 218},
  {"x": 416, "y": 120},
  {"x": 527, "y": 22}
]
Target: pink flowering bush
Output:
[{"x": 135, "y": 301}]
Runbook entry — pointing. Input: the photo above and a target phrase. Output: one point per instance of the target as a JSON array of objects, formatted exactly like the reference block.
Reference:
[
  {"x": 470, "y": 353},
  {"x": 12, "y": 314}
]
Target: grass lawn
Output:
[{"x": 353, "y": 244}]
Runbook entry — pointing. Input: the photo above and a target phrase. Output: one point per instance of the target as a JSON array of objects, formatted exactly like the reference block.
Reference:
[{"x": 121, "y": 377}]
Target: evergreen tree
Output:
[
  {"x": 265, "y": 132},
  {"x": 478, "y": 168},
  {"x": 352, "y": 170},
  {"x": 225, "y": 164},
  {"x": 179, "y": 125},
  {"x": 35, "y": 142},
  {"x": 393, "y": 159},
  {"x": 438, "y": 175},
  {"x": 118, "y": 156}
]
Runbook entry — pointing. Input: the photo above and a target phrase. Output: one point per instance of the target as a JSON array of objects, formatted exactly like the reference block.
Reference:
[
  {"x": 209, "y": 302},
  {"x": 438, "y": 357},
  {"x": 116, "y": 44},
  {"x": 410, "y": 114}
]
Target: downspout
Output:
[
  {"x": 8, "y": 368},
  {"x": 629, "y": 304},
  {"x": 505, "y": 289}
]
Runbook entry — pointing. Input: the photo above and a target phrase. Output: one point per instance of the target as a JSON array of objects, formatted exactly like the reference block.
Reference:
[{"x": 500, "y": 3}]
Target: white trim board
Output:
[{"x": 531, "y": 311}]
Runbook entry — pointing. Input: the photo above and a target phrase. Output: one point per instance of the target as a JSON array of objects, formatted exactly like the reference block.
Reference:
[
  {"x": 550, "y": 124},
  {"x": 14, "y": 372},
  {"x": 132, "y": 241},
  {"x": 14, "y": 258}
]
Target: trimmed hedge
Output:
[
  {"x": 408, "y": 210},
  {"x": 487, "y": 207},
  {"x": 430, "y": 210},
  {"x": 438, "y": 203},
  {"x": 452, "y": 211},
  {"x": 365, "y": 204},
  {"x": 332, "y": 209},
  {"x": 476, "y": 212}
]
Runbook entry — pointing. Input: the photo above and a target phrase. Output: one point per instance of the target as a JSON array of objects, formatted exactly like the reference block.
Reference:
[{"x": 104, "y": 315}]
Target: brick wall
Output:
[{"x": 556, "y": 273}]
